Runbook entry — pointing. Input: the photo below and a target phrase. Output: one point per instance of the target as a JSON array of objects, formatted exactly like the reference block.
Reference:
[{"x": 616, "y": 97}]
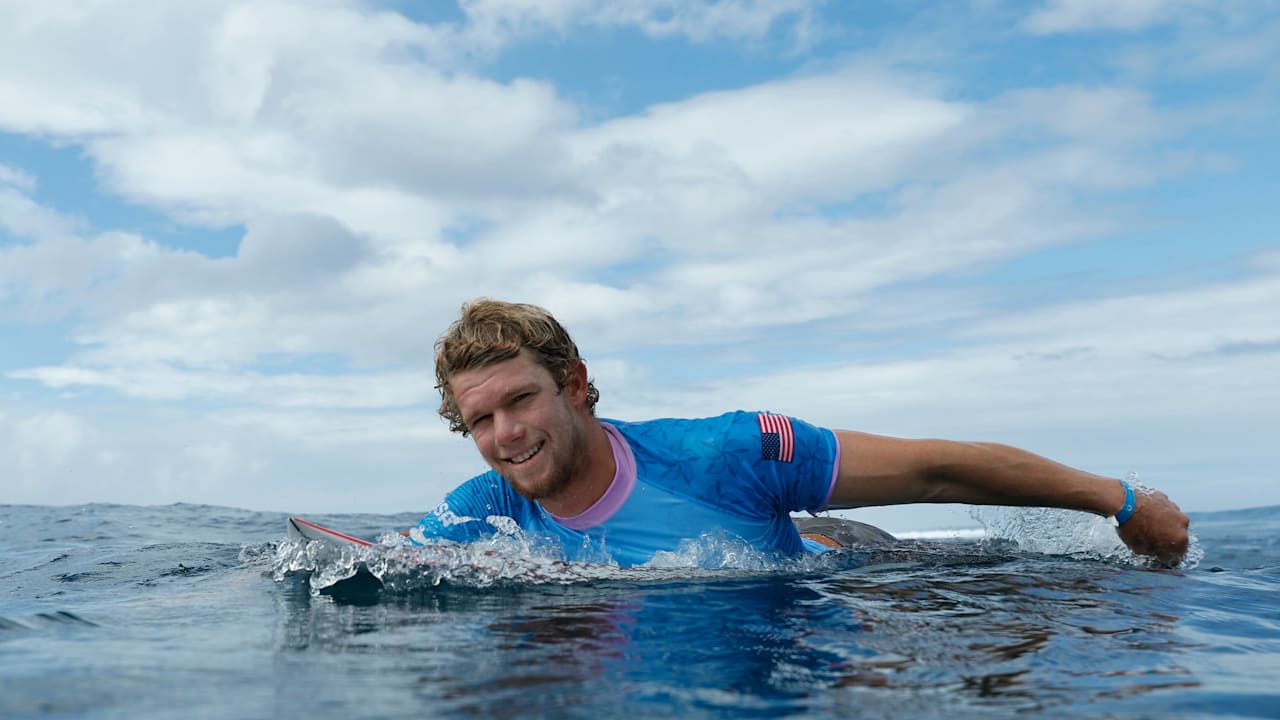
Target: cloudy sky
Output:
[{"x": 230, "y": 232}]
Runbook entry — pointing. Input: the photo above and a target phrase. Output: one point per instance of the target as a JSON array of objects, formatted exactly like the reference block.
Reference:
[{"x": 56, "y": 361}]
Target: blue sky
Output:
[{"x": 231, "y": 231}]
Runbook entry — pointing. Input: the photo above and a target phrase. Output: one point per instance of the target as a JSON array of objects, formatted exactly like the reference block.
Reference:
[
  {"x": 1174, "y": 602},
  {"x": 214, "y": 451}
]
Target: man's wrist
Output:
[{"x": 1130, "y": 503}]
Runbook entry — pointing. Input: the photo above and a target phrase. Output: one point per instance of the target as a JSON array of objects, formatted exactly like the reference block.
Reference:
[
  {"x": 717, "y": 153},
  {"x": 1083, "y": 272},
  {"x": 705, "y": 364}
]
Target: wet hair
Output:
[{"x": 490, "y": 331}]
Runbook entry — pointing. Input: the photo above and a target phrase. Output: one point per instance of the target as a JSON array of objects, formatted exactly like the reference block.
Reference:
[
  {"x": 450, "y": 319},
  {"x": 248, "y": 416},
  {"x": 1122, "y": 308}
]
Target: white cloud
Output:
[
  {"x": 1253, "y": 44},
  {"x": 82, "y": 68},
  {"x": 203, "y": 468},
  {"x": 294, "y": 461},
  {"x": 724, "y": 214},
  {"x": 1178, "y": 325},
  {"x": 299, "y": 285},
  {"x": 56, "y": 273},
  {"x": 45, "y": 452},
  {"x": 22, "y": 217},
  {"x": 495, "y": 23},
  {"x": 1058, "y": 16},
  {"x": 22, "y": 181},
  {"x": 294, "y": 390},
  {"x": 1243, "y": 41},
  {"x": 215, "y": 110},
  {"x": 820, "y": 138}
]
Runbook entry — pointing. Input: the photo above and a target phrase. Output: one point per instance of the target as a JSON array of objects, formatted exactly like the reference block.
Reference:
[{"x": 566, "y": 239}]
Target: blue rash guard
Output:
[{"x": 742, "y": 474}]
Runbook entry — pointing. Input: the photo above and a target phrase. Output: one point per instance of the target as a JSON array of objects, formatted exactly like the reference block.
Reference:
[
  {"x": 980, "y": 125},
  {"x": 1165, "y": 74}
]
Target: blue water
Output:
[{"x": 111, "y": 611}]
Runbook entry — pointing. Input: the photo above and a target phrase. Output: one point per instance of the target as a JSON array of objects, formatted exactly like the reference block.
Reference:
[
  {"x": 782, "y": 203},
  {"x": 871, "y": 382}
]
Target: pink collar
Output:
[{"x": 624, "y": 480}]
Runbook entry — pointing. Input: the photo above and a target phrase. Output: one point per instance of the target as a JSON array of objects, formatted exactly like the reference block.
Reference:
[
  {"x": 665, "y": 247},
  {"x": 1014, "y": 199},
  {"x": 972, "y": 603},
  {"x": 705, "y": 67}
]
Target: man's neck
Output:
[{"x": 592, "y": 477}]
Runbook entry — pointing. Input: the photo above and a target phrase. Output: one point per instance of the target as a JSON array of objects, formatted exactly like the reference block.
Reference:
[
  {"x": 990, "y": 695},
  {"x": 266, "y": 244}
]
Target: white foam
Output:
[
  {"x": 1053, "y": 531},
  {"x": 523, "y": 560}
]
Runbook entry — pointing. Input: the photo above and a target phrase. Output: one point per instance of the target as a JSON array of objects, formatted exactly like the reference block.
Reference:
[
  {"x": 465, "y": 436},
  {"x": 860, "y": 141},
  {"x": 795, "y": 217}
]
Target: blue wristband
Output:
[{"x": 1130, "y": 502}]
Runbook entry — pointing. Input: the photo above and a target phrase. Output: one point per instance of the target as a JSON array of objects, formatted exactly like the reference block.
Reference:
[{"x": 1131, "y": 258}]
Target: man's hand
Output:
[{"x": 1157, "y": 529}]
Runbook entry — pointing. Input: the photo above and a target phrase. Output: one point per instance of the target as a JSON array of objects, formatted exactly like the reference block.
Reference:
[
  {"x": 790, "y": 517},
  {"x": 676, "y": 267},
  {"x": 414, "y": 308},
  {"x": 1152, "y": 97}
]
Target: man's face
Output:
[{"x": 528, "y": 430}]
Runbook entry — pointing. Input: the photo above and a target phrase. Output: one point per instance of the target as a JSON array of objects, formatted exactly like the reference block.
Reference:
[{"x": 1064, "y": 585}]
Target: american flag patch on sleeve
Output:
[{"x": 777, "y": 441}]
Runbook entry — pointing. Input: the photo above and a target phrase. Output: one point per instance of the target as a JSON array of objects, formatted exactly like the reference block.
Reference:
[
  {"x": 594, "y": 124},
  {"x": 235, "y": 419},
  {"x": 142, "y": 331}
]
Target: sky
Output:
[{"x": 230, "y": 232}]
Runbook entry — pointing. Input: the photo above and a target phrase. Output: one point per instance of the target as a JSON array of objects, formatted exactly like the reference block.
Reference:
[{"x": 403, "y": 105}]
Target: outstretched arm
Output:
[{"x": 879, "y": 470}]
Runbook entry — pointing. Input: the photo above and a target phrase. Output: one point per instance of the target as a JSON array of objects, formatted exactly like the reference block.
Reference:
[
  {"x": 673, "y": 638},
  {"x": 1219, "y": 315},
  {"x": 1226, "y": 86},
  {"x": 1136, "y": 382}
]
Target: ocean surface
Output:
[{"x": 185, "y": 611}]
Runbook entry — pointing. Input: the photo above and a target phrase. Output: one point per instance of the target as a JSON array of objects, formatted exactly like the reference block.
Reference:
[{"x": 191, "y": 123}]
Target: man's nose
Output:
[{"x": 507, "y": 427}]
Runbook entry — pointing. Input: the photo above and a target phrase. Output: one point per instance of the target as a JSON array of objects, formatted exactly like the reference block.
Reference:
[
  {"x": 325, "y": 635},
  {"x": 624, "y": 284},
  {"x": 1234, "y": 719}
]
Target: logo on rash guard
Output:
[{"x": 448, "y": 517}]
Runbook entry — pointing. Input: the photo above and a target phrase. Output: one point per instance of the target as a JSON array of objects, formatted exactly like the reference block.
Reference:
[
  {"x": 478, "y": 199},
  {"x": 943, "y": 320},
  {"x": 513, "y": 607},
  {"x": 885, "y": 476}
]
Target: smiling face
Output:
[{"x": 528, "y": 430}]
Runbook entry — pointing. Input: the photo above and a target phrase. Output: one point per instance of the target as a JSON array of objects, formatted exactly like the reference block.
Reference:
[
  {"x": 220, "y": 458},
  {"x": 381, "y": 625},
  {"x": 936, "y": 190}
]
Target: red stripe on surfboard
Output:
[{"x": 327, "y": 531}]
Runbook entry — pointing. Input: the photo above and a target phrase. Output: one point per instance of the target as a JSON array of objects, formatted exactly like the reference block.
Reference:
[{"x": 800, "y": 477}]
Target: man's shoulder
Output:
[
  {"x": 656, "y": 426},
  {"x": 727, "y": 444},
  {"x": 687, "y": 444},
  {"x": 708, "y": 431}
]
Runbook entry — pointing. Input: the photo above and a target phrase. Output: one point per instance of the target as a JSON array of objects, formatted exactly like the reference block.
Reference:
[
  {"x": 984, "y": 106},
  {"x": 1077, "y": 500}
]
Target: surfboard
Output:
[
  {"x": 364, "y": 587},
  {"x": 300, "y": 529}
]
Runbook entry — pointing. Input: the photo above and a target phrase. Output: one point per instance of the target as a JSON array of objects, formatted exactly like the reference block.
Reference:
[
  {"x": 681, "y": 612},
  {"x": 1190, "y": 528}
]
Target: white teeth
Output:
[{"x": 530, "y": 453}]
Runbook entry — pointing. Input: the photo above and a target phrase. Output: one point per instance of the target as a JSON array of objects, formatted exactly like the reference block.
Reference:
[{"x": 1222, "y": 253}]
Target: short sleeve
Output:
[
  {"x": 751, "y": 464},
  {"x": 792, "y": 462}
]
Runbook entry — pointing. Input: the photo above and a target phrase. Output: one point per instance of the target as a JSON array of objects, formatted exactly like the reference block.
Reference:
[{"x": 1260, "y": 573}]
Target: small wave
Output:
[
  {"x": 8, "y": 624},
  {"x": 64, "y": 617},
  {"x": 56, "y": 617}
]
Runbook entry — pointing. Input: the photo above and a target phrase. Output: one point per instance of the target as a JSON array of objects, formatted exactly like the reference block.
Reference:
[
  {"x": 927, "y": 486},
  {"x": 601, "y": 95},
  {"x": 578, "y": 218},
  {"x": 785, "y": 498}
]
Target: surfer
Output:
[{"x": 511, "y": 379}]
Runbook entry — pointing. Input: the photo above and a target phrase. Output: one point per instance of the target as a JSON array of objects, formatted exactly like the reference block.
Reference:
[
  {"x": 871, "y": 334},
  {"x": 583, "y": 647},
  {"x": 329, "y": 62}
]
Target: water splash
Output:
[
  {"x": 515, "y": 558},
  {"x": 524, "y": 559},
  {"x": 1052, "y": 531}
]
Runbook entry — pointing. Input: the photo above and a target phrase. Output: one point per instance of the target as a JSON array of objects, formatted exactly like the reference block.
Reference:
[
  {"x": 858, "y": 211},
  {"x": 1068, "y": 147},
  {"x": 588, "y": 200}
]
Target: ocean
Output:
[{"x": 187, "y": 611}]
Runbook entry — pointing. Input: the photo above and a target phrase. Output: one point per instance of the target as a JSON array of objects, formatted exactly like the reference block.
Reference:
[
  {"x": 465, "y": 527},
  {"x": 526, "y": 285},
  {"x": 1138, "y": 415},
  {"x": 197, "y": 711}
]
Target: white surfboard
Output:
[
  {"x": 364, "y": 586},
  {"x": 300, "y": 529}
]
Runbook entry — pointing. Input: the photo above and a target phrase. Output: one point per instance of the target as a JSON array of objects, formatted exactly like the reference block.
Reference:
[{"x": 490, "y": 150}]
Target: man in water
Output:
[{"x": 512, "y": 379}]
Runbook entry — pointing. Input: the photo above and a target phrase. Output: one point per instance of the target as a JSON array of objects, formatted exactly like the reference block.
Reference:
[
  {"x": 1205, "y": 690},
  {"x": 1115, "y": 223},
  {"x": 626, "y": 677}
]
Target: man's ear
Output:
[{"x": 575, "y": 386}]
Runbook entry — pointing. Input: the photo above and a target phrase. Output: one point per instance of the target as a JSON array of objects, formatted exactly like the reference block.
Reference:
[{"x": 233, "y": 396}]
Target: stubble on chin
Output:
[
  {"x": 562, "y": 474},
  {"x": 542, "y": 490}
]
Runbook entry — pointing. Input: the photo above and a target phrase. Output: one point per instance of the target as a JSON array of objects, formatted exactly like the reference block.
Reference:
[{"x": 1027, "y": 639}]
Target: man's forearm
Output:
[
  {"x": 994, "y": 474},
  {"x": 879, "y": 470}
]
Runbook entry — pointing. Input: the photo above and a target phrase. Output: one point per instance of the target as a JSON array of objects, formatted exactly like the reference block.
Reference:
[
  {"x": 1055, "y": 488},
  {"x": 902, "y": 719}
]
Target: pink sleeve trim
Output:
[{"x": 835, "y": 475}]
